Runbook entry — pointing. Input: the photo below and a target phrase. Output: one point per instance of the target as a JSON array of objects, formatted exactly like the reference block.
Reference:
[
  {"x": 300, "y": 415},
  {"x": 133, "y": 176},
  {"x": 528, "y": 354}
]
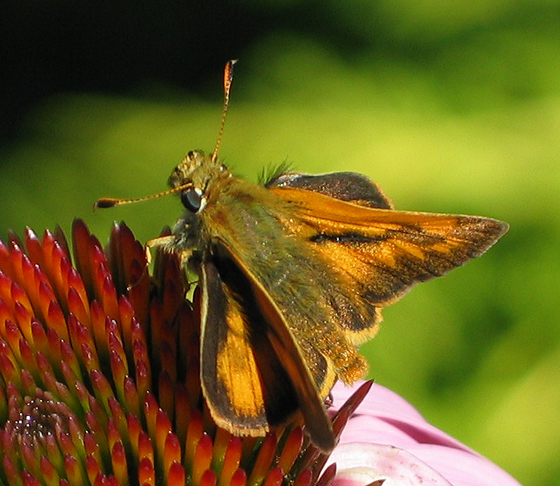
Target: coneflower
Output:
[{"x": 99, "y": 366}]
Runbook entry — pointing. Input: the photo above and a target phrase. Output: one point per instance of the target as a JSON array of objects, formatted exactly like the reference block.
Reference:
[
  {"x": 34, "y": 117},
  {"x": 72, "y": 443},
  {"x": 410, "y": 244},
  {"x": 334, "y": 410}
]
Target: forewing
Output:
[
  {"x": 253, "y": 373},
  {"x": 381, "y": 253}
]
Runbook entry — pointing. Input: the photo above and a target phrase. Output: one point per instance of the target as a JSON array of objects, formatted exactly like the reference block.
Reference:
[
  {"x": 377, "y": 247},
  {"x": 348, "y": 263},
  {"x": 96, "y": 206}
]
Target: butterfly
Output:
[{"x": 293, "y": 275}]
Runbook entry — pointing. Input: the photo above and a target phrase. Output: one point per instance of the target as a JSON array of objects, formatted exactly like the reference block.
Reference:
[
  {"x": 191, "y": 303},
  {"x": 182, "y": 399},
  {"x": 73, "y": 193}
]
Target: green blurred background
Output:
[{"x": 451, "y": 107}]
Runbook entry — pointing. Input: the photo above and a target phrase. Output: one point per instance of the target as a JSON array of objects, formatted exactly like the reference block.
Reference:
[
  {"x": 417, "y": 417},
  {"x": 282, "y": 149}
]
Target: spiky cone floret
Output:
[{"x": 99, "y": 376}]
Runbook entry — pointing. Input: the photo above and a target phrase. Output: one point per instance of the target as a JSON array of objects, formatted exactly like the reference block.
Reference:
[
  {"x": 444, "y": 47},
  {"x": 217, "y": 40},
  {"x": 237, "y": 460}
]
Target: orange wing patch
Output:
[{"x": 237, "y": 368}]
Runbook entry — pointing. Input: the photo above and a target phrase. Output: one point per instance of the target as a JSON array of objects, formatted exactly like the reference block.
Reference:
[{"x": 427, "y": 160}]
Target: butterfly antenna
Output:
[
  {"x": 228, "y": 78},
  {"x": 109, "y": 202}
]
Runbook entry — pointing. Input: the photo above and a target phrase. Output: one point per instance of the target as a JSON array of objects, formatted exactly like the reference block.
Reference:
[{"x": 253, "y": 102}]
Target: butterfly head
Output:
[{"x": 193, "y": 176}]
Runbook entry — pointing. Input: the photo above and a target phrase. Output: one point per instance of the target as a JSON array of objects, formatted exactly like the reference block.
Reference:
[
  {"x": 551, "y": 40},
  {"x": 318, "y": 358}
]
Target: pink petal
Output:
[
  {"x": 463, "y": 468},
  {"x": 385, "y": 414},
  {"x": 388, "y": 438},
  {"x": 362, "y": 463},
  {"x": 379, "y": 400}
]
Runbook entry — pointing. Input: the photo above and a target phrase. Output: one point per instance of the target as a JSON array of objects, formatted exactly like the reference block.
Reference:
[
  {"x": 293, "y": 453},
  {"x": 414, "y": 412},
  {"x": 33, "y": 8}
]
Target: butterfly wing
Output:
[
  {"x": 345, "y": 186},
  {"x": 381, "y": 253},
  {"x": 253, "y": 374}
]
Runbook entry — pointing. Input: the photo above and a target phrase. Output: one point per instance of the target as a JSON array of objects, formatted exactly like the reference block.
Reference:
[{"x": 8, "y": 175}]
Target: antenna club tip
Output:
[{"x": 105, "y": 202}]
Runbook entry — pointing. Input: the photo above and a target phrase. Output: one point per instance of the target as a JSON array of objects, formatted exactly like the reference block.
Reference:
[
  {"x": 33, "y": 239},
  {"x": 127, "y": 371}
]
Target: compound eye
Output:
[{"x": 192, "y": 199}]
